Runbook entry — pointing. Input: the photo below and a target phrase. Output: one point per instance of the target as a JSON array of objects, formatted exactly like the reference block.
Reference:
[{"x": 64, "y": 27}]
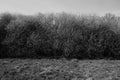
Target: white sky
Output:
[{"x": 99, "y": 7}]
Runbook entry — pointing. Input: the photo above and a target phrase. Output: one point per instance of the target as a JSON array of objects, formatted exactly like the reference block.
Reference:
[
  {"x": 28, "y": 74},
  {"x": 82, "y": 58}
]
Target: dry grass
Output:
[{"x": 51, "y": 69}]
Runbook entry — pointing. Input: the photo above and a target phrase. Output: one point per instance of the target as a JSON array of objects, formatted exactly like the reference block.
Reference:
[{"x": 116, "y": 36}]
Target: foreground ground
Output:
[{"x": 51, "y": 69}]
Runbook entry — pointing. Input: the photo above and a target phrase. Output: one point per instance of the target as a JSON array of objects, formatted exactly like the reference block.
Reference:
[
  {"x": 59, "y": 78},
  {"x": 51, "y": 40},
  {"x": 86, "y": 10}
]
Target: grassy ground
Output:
[{"x": 51, "y": 69}]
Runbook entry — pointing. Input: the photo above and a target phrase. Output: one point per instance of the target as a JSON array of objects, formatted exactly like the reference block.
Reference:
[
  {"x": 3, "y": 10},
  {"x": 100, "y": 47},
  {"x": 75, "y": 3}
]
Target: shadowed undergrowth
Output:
[{"x": 59, "y": 36}]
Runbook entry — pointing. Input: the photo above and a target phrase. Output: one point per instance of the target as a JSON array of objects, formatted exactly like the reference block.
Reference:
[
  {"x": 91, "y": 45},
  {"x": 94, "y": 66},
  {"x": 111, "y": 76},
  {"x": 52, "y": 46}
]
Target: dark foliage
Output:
[{"x": 59, "y": 35}]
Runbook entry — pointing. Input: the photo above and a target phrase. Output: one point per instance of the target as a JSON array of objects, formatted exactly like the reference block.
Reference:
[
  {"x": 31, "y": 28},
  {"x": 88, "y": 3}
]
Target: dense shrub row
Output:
[{"x": 59, "y": 35}]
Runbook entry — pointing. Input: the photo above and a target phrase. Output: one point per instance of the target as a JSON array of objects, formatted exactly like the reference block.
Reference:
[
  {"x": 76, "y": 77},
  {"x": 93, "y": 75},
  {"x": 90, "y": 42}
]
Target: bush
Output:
[
  {"x": 5, "y": 19},
  {"x": 60, "y": 35}
]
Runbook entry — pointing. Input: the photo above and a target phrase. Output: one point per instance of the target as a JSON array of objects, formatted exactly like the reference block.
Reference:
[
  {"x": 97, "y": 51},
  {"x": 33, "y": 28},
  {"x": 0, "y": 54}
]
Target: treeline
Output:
[{"x": 59, "y": 36}]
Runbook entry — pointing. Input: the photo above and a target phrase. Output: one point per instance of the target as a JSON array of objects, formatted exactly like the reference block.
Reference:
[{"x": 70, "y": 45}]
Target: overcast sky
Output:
[{"x": 99, "y": 7}]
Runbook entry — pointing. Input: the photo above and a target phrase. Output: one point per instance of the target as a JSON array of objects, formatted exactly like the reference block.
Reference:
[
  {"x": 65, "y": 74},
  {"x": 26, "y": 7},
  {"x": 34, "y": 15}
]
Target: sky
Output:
[{"x": 30, "y": 7}]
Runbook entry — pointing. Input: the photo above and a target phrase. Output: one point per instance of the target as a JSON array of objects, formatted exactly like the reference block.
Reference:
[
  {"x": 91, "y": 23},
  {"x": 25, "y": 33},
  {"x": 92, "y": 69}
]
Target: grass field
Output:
[{"x": 61, "y": 69}]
